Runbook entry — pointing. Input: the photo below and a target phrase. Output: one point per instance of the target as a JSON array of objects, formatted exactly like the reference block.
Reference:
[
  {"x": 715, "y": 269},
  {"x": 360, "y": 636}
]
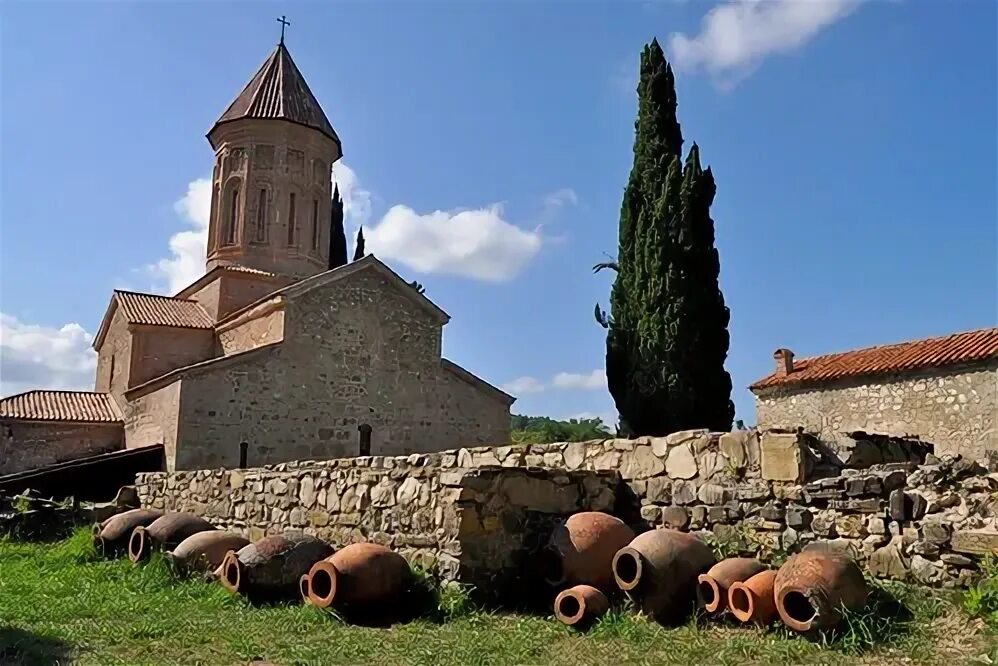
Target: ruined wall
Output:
[
  {"x": 765, "y": 494},
  {"x": 355, "y": 351},
  {"x": 29, "y": 444},
  {"x": 954, "y": 408},
  {"x": 482, "y": 527},
  {"x": 156, "y": 350}
]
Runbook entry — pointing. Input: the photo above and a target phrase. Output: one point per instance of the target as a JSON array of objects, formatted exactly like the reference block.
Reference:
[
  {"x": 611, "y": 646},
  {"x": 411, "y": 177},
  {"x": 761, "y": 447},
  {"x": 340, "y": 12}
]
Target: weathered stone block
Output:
[
  {"x": 652, "y": 514},
  {"x": 732, "y": 446},
  {"x": 936, "y": 532},
  {"x": 640, "y": 463},
  {"x": 659, "y": 489},
  {"x": 684, "y": 492},
  {"x": 975, "y": 542},
  {"x": 798, "y": 517},
  {"x": 681, "y": 463},
  {"x": 698, "y": 517},
  {"x": 886, "y": 562},
  {"x": 675, "y": 517},
  {"x": 782, "y": 457},
  {"x": 574, "y": 455}
]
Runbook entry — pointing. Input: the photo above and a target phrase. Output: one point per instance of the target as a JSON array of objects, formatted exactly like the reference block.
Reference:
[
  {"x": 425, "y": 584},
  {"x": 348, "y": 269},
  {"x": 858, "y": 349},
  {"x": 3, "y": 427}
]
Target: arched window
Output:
[
  {"x": 215, "y": 203},
  {"x": 261, "y": 215},
  {"x": 315, "y": 224},
  {"x": 292, "y": 219},
  {"x": 110, "y": 380},
  {"x": 232, "y": 216}
]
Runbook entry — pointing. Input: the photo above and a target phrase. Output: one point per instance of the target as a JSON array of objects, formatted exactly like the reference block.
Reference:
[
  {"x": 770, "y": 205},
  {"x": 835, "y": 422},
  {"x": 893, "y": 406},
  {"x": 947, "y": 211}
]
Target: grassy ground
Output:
[{"x": 59, "y": 605}]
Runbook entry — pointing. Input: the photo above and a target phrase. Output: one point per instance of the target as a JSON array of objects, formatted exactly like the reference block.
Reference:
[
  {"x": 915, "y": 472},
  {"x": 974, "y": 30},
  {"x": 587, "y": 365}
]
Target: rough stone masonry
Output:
[{"x": 476, "y": 514}]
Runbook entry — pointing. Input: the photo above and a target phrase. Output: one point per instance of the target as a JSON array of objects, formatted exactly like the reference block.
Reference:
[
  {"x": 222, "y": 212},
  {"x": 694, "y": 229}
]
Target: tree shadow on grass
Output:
[{"x": 23, "y": 648}]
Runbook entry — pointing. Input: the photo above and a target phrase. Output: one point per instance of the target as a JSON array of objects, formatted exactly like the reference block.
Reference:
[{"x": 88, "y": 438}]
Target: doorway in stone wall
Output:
[{"x": 365, "y": 439}]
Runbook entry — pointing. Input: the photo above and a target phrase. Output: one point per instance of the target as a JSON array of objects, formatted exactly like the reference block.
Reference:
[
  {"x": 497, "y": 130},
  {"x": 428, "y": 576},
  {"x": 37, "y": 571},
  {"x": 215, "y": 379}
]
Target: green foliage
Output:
[
  {"x": 60, "y": 604},
  {"x": 544, "y": 430},
  {"x": 982, "y": 599},
  {"x": 337, "y": 236},
  {"x": 667, "y": 336}
]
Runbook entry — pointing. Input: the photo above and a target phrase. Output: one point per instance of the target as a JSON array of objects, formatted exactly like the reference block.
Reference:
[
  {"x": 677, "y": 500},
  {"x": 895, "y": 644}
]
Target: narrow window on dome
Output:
[
  {"x": 261, "y": 216},
  {"x": 230, "y": 229},
  {"x": 315, "y": 224},
  {"x": 292, "y": 222}
]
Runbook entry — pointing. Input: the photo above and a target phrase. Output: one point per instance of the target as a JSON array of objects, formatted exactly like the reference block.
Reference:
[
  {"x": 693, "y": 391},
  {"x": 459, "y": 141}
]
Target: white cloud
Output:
[
  {"x": 522, "y": 385},
  {"x": 40, "y": 357},
  {"x": 737, "y": 35},
  {"x": 589, "y": 381},
  {"x": 560, "y": 198},
  {"x": 356, "y": 200},
  {"x": 478, "y": 244},
  {"x": 187, "y": 248}
]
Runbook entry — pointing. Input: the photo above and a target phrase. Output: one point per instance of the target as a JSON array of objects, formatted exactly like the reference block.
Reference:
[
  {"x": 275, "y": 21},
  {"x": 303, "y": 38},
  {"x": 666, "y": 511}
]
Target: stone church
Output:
[{"x": 281, "y": 350}]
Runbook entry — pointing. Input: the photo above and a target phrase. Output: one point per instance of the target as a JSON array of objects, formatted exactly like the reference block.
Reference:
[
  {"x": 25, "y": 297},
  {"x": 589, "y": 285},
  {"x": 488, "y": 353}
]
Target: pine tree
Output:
[
  {"x": 667, "y": 336},
  {"x": 337, "y": 237},
  {"x": 358, "y": 252}
]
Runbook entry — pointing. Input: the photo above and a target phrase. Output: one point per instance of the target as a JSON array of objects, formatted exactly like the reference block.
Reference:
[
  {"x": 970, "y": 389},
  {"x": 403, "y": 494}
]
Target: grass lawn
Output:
[{"x": 58, "y": 604}]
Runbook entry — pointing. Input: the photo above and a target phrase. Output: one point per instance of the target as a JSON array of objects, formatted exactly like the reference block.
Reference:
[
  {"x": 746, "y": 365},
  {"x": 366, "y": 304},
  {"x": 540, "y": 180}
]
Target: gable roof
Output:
[
  {"x": 952, "y": 349},
  {"x": 477, "y": 382},
  {"x": 368, "y": 262},
  {"x": 79, "y": 406},
  {"x": 278, "y": 91},
  {"x": 154, "y": 310}
]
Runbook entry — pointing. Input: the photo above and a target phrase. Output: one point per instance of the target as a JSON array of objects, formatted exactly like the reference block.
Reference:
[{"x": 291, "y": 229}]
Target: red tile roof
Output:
[
  {"x": 906, "y": 356},
  {"x": 162, "y": 310},
  {"x": 61, "y": 406}
]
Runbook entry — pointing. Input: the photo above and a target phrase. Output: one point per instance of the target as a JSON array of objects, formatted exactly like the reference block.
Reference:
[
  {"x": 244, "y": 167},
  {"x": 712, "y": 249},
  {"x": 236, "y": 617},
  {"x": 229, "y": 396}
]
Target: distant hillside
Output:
[{"x": 543, "y": 430}]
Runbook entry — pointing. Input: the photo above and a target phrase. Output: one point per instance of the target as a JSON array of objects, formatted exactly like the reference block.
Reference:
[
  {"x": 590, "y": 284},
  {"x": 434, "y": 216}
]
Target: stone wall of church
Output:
[
  {"x": 355, "y": 351},
  {"x": 152, "y": 418},
  {"x": 262, "y": 325},
  {"x": 26, "y": 445},
  {"x": 237, "y": 290},
  {"x": 954, "y": 408},
  {"x": 156, "y": 350},
  {"x": 114, "y": 358}
]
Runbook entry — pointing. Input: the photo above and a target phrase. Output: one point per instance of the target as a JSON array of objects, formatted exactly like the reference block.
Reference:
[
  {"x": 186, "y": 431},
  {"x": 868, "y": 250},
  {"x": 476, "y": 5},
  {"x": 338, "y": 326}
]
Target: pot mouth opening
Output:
[
  {"x": 569, "y": 607},
  {"x": 231, "y": 575},
  {"x": 709, "y": 593},
  {"x": 303, "y": 587},
  {"x": 137, "y": 544},
  {"x": 322, "y": 585},
  {"x": 627, "y": 569},
  {"x": 741, "y": 602},
  {"x": 798, "y": 607}
]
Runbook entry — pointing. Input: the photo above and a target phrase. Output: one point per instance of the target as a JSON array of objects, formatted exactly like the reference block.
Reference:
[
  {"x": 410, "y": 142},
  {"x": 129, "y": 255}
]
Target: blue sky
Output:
[{"x": 853, "y": 143}]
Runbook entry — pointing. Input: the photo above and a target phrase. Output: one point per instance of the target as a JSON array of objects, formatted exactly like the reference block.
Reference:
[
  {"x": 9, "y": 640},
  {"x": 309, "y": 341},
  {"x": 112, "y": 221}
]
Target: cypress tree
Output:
[
  {"x": 337, "y": 236},
  {"x": 358, "y": 251},
  {"x": 667, "y": 336}
]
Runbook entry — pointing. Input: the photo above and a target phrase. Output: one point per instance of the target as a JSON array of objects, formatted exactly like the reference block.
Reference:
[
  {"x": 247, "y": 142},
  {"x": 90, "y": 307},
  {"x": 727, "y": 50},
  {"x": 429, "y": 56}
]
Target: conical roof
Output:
[{"x": 278, "y": 91}]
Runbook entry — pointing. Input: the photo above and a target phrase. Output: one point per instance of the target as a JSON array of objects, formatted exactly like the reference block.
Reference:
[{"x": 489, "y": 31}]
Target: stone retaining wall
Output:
[
  {"x": 477, "y": 526},
  {"x": 902, "y": 511}
]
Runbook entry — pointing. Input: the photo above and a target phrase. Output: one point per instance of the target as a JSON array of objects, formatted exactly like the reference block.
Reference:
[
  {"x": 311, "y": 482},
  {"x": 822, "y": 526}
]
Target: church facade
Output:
[{"x": 282, "y": 350}]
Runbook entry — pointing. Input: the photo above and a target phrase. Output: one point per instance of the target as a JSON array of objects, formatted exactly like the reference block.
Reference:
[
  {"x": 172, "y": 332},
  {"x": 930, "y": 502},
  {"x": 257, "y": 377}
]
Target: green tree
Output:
[
  {"x": 544, "y": 430},
  {"x": 358, "y": 252},
  {"x": 337, "y": 237},
  {"x": 667, "y": 332}
]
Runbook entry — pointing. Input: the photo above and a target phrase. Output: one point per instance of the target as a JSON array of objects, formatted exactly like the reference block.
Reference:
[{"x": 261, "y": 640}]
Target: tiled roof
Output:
[
  {"x": 929, "y": 353},
  {"x": 278, "y": 91},
  {"x": 162, "y": 310},
  {"x": 246, "y": 269},
  {"x": 61, "y": 406}
]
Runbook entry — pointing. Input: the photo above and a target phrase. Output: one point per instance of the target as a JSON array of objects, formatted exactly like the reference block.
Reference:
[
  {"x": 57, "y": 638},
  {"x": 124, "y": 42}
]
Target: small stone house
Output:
[
  {"x": 941, "y": 390},
  {"x": 274, "y": 354}
]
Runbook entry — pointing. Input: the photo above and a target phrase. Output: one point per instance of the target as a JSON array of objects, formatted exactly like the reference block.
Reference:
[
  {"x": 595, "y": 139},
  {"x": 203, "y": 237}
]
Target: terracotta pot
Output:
[
  {"x": 205, "y": 551},
  {"x": 166, "y": 533},
  {"x": 360, "y": 575},
  {"x": 111, "y": 536},
  {"x": 814, "y": 584},
  {"x": 272, "y": 567},
  {"x": 712, "y": 587},
  {"x": 658, "y": 570},
  {"x": 753, "y": 600},
  {"x": 580, "y": 605},
  {"x": 581, "y": 550}
]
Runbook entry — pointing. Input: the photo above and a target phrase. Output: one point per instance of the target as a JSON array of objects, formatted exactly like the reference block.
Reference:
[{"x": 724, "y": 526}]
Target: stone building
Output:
[
  {"x": 277, "y": 352},
  {"x": 941, "y": 390}
]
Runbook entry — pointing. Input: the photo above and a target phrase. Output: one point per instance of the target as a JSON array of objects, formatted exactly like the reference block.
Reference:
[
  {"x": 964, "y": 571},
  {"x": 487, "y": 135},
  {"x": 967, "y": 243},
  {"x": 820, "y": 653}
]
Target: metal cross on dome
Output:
[{"x": 284, "y": 23}]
